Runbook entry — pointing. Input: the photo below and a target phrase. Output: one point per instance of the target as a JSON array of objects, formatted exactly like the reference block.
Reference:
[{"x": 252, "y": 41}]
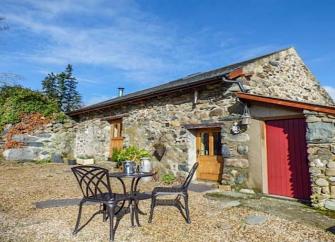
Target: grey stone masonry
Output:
[
  {"x": 50, "y": 142},
  {"x": 320, "y": 138},
  {"x": 284, "y": 75}
]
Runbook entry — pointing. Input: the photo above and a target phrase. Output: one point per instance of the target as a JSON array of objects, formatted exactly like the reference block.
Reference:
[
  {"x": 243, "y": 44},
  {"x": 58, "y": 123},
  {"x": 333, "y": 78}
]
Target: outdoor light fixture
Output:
[
  {"x": 235, "y": 129},
  {"x": 246, "y": 118}
]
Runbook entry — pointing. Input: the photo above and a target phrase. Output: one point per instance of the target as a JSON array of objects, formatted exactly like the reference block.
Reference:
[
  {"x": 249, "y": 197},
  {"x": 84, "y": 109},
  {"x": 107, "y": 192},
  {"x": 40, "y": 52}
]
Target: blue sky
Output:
[{"x": 139, "y": 44}]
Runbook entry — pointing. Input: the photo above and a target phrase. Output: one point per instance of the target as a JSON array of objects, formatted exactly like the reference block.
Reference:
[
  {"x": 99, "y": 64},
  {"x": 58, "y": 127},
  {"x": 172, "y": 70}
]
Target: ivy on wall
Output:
[{"x": 16, "y": 101}]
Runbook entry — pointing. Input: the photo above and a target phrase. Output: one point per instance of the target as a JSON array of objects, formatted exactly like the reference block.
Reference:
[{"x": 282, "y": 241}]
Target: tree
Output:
[
  {"x": 49, "y": 86},
  {"x": 63, "y": 88},
  {"x": 72, "y": 97}
]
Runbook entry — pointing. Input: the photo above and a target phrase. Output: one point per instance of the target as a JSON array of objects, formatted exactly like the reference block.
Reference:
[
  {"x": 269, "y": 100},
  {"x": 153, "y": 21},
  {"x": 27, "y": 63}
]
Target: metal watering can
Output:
[{"x": 129, "y": 167}]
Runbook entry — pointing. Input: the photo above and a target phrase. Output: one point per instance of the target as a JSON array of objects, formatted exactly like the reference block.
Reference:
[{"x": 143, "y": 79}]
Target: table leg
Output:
[
  {"x": 132, "y": 213},
  {"x": 137, "y": 210},
  {"x": 135, "y": 187},
  {"x": 134, "y": 203}
]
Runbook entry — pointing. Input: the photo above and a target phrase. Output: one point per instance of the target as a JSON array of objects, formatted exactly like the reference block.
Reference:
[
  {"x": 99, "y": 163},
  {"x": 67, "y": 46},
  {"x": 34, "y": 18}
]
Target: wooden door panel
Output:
[
  {"x": 209, "y": 154},
  {"x": 288, "y": 173},
  {"x": 116, "y": 142}
]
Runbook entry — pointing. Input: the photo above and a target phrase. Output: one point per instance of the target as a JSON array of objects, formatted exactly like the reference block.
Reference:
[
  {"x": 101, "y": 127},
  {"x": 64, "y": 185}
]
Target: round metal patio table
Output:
[{"x": 134, "y": 195}]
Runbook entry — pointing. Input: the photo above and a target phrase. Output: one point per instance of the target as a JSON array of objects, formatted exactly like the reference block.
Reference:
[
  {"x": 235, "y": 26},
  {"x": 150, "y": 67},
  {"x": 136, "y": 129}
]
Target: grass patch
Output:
[{"x": 328, "y": 213}]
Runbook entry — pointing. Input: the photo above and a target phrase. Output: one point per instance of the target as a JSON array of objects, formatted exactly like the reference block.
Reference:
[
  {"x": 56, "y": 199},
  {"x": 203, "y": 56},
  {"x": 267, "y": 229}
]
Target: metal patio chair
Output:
[
  {"x": 95, "y": 185},
  {"x": 179, "y": 191}
]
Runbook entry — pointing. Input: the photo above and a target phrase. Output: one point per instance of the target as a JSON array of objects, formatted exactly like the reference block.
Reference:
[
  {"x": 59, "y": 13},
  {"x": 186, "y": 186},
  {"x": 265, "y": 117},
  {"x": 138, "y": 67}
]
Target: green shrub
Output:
[
  {"x": 132, "y": 153},
  {"x": 168, "y": 178},
  {"x": 17, "y": 100}
]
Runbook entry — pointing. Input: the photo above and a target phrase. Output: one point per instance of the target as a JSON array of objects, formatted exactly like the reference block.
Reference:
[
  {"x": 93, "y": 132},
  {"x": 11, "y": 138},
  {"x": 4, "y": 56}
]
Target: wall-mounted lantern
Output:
[{"x": 246, "y": 118}]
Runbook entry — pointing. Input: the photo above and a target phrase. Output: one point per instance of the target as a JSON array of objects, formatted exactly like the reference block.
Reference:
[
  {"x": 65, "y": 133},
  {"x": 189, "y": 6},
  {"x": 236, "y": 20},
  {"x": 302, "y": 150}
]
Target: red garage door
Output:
[{"x": 288, "y": 173}]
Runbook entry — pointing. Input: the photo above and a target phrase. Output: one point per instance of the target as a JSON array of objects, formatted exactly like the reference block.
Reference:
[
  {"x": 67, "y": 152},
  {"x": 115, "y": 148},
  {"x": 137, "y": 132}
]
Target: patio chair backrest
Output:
[
  {"x": 190, "y": 176},
  {"x": 93, "y": 181}
]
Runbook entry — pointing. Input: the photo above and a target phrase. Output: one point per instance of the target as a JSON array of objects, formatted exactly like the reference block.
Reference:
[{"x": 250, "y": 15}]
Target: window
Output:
[
  {"x": 204, "y": 149},
  {"x": 209, "y": 142},
  {"x": 217, "y": 143}
]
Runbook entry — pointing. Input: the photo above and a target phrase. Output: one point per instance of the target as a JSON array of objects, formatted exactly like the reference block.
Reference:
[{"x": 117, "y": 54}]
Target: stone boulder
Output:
[
  {"x": 57, "y": 158},
  {"x": 25, "y": 138},
  {"x": 22, "y": 154},
  {"x": 321, "y": 132},
  {"x": 330, "y": 204}
]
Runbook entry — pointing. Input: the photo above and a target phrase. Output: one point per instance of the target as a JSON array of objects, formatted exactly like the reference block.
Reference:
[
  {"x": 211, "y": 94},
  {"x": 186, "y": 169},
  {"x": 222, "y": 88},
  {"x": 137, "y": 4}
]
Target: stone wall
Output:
[
  {"x": 321, "y": 155},
  {"x": 160, "y": 121},
  {"x": 284, "y": 75},
  {"x": 92, "y": 139},
  {"x": 55, "y": 141},
  {"x": 236, "y": 163}
]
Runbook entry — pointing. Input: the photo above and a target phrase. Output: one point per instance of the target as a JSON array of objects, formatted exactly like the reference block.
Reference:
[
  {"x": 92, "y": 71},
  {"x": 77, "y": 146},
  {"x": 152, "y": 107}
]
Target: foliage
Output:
[
  {"x": 28, "y": 123},
  {"x": 49, "y": 86},
  {"x": 168, "y": 178},
  {"x": 16, "y": 101},
  {"x": 132, "y": 153},
  {"x": 63, "y": 88}
]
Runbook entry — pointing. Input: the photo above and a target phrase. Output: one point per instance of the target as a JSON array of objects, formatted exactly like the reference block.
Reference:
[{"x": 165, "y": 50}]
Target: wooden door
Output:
[
  {"x": 288, "y": 173},
  {"x": 116, "y": 135},
  {"x": 209, "y": 154}
]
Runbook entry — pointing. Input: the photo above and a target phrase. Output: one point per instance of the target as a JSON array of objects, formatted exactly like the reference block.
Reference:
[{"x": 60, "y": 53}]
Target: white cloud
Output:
[
  {"x": 331, "y": 91},
  {"x": 131, "y": 41},
  {"x": 118, "y": 35}
]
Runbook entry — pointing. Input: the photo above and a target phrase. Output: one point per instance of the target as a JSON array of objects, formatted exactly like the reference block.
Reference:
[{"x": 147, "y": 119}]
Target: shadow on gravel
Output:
[
  {"x": 331, "y": 230},
  {"x": 287, "y": 209}
]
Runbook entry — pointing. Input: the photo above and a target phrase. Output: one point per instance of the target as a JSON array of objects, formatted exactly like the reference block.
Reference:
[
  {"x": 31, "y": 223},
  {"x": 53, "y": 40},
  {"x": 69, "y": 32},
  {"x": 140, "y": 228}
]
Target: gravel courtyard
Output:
[{"x": 21, "y": 185}]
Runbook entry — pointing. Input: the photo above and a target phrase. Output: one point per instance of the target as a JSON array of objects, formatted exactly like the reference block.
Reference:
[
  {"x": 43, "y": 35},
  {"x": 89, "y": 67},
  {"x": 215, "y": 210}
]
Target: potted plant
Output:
[
  {"x": 131, "y": 153},
  {"x": 85, "y": 160}
]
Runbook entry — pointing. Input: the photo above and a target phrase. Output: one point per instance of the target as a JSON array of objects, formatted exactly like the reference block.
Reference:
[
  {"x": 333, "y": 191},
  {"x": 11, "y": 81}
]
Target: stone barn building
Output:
[{"x": 264, "y": 124}]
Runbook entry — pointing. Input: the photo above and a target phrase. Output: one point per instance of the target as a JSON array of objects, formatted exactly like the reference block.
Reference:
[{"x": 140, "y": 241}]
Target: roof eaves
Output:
[{"x": 287, "y": 103}]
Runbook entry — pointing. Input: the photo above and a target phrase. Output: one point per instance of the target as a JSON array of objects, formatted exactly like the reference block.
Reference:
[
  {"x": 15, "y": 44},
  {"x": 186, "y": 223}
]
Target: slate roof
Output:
[{"x": 188, "y": 81}]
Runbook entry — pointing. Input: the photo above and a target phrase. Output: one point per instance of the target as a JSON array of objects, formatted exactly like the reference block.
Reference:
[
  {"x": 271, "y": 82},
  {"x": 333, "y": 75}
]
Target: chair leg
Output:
[
  {"x": 111, "y": 211},
  {"x": 153, "y": 204},
  {"x": 188, "y": 219},
  {"x": 104, "y": 213},
  {"x": 78, "y": 218}
]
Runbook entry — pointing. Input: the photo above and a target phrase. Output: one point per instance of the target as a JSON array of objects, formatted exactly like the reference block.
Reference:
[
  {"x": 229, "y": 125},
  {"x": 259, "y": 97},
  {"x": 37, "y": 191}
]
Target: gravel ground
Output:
[{"x": 21, "y": 185}]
